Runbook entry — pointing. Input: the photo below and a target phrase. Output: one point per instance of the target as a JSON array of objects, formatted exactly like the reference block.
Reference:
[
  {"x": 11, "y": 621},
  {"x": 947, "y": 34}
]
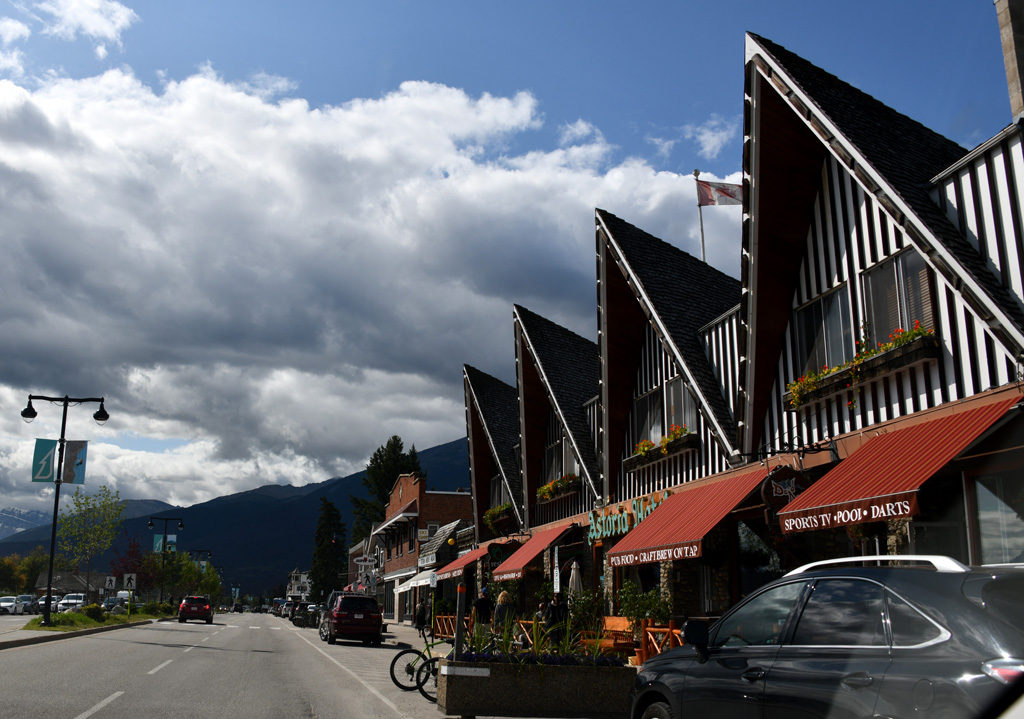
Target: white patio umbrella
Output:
[{"x": 575, "y": 580}]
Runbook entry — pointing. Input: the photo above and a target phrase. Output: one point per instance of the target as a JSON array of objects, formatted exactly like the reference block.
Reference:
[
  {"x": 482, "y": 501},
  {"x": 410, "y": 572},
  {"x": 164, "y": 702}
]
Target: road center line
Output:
[
  {"x": 355, "y": 676},
  {"x": 189, "y": 649},
  {"x": 90, "y": 712},
  {"x": 154, "y": 671},
  {"x": 206, "y": 639}
]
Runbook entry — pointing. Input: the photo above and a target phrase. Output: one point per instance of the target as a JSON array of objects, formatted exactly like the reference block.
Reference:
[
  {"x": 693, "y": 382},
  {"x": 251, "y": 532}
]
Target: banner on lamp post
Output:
[
  {"x": 73, "y": 471},
  {"x": 44, "y": 461}
]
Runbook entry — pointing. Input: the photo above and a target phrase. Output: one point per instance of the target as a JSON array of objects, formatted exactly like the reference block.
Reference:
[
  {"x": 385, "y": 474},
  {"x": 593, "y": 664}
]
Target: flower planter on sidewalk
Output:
[{"x": 533, "y": 690}]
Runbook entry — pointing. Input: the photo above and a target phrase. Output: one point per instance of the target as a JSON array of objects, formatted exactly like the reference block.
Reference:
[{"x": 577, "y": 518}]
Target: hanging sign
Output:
[
  {"x": 73, "y": 471},
  {"x": 44, "y": 461}
]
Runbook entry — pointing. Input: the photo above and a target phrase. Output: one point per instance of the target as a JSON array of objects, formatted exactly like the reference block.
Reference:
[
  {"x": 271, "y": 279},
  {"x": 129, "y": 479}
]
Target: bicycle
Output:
[
  {"x": 407, "y": 663},
  {"x": 427, "y": 673}
]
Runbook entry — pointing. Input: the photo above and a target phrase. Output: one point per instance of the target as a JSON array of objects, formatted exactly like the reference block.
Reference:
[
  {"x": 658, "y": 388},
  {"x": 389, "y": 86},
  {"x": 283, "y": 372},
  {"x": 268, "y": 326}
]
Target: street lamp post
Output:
[
  {"x": 163, "y": 545},
  {"x": 29, "y": 414}
]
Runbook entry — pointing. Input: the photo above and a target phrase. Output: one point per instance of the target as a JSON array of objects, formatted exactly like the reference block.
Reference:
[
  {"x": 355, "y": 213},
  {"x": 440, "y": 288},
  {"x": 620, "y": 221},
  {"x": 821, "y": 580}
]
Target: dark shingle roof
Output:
[
  {"x": 905, "y": 152},
  {"x": 440, "y": 537},
  {"x": 572, "y": 365},
  {"x": 499, "y": 411},
  {"x": 686, "y": 294}
]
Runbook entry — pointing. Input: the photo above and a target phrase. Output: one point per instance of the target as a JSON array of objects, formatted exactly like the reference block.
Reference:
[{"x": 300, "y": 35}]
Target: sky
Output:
[{"x": 270, "y": 234}]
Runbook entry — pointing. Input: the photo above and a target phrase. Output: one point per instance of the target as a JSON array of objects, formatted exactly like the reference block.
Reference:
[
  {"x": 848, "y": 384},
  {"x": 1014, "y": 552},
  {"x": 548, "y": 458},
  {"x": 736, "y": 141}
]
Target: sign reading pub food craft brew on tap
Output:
[{"x": 620, "y": 518}]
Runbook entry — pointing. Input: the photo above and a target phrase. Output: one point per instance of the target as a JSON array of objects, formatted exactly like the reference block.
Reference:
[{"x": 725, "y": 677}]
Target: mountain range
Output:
[{"x": 258, "y": 536}]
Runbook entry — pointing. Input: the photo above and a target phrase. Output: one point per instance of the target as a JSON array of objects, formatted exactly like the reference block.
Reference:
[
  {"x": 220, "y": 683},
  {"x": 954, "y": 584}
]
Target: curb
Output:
[{"x": 68, "y": 635}]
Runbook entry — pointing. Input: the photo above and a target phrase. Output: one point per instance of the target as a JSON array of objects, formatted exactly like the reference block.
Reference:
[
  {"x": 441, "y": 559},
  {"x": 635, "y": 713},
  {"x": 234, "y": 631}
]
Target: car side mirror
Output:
[{"x": 695, "y": 633}]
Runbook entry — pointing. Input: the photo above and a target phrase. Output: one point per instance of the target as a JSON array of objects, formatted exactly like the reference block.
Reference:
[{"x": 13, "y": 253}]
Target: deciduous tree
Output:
[{"x": 87, "y": 528}]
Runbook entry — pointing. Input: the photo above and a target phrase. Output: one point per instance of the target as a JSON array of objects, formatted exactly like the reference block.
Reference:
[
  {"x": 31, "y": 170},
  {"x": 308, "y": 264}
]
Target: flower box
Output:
[
  {"x": 921, "y": 349},
  {"x": 685, "y": 443},
  {"x": 557, "y": 497},
  {"x": 533, "y": 690}
]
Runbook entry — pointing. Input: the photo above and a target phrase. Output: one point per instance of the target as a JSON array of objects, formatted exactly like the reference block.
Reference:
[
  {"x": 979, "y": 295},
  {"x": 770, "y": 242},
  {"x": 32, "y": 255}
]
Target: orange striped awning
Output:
[
  {"x": 512, "y": 568},
  {"x": 676, "y": 529},
  {"x": 456, "y": 568},
  {"x": 880, "y": 480}
]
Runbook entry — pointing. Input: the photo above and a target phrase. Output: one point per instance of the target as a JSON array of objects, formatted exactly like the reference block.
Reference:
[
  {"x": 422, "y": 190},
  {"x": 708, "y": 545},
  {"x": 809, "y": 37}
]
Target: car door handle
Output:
[
  {"x": 858, "y": 680},
  {"x": 754, "y": 674}
]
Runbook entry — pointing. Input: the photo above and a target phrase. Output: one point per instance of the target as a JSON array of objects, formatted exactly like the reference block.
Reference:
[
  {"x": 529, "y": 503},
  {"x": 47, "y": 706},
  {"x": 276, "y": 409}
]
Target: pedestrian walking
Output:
[
  {"x": 555, "y": 617},
  {"x": 483, "y": 607},
  {"x": 504, "y": 614}
]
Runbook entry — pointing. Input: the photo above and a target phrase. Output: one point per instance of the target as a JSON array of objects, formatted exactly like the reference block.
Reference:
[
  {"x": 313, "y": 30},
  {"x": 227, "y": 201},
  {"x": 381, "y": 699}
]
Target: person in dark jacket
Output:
[
  {"x": 555, "y": 617},
  {"x": 504, "y": 613}
]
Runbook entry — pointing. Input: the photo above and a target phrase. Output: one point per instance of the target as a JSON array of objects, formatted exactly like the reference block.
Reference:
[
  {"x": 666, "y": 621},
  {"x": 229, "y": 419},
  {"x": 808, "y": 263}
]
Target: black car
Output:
[{"x": 907, "y": 637}]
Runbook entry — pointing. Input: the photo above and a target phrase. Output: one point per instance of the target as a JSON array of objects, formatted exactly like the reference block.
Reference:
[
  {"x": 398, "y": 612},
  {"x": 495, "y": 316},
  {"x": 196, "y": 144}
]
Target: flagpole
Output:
[{"x": 700, "y": 217}]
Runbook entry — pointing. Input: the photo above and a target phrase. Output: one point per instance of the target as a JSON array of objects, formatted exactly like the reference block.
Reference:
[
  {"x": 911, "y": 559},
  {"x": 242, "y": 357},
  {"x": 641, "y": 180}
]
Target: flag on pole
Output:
[{"x": 718, "y": 193}]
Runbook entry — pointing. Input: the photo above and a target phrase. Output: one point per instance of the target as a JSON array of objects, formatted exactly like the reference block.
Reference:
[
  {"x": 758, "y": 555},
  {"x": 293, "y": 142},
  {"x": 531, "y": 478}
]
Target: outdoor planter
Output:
[
  {"x": 920, "y": 349},
  {"x": 533, "y": 690},
  {"x": 678, "y": 445},
  {"x": 563, "y": 495}
]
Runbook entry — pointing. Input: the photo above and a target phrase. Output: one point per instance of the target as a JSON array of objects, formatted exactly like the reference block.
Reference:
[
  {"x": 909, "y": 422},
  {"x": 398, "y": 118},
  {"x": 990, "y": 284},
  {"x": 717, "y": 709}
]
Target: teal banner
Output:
[{"x": 44, "y": 461}]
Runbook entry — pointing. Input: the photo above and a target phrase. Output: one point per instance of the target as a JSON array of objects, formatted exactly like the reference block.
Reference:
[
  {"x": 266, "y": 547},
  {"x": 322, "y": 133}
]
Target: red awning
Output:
[
  {"x": 512, "y": 568},
  {"x": 675, "y": 529},
  {"x": 880, "y": 480},
  {"x": 456, "y": 568}
]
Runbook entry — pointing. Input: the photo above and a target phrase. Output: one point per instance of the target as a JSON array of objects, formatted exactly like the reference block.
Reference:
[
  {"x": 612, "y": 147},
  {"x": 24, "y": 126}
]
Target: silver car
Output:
[
  {"x": 70, "y": 601},
  {"x": 11, "y": 605}
]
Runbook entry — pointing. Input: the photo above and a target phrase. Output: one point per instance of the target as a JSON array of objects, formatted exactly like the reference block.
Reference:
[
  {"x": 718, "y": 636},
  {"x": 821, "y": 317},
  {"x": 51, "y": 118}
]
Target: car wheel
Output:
[
  {"x": 209, "y": 620},
  {"x": 323, "y": 631},
  {"x": 181, "y": 620},
  {"x": 331, "y": 639},
  {"x": 657, "y": 710}
]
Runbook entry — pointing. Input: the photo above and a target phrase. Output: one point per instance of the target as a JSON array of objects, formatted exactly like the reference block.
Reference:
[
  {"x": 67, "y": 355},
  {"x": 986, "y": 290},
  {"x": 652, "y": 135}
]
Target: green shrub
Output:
[
  {"x": 94, "y": 612},
  {"x": 151, "y": 608}
]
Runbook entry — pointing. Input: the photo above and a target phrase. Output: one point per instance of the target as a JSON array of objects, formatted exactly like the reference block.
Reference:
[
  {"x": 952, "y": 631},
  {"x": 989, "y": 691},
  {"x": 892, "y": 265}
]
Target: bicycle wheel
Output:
[
  {"x": 404, "y": 666},
  {"x": 426, "y": 678}
]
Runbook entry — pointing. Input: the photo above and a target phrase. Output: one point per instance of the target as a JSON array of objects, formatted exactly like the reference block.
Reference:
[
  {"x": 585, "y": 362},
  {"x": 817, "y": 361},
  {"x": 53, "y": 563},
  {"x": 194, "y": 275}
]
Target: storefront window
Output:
[
  {"x": 825, "y": 331},
  {"x": 1000, "y": 508},
  {"x": 897, "y": 295}
]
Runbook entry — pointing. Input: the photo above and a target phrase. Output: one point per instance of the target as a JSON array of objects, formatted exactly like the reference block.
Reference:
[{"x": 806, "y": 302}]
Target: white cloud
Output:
[
  {"x": 714, "y": 134},
  {"x": 95, "y": 19},
  {"x": 12, "y": 30},
  {"x": 279, "y": 287},
  {"x": 662, "y": 146},
  {"x": 12, "y": 63}
]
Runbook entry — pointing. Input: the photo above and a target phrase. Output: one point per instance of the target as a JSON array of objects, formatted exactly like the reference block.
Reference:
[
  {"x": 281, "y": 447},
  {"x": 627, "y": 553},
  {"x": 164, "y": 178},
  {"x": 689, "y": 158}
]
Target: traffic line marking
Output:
[
  {"x": 155, "y": 670},
  {"x": 206, "y": 639},
  {"x": 355, "y": 676},
  {"x": 253, "y": 627},
  {"x": 189, "y": 649},
  {"x": 90, "y": 712},
  {"x": 275, "y": 629}
]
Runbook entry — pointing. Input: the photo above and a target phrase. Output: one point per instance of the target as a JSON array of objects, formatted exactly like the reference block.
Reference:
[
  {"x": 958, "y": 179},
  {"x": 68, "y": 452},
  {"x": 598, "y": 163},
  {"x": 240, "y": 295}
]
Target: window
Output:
[
  {"x": 412, "y": 535},
  {"x": 1000, "y": 511},
  {"x": 647, "y": 419},
  {"x": 897, "y": 294},
  {"x": 760, "y": 621},
  {"x": 499, "y": 495},
  {"x": 909, "y": 627},
  {"x": 553, "y": 460},
  {"x": 842, "y": 612},
  {"x": 432, "y": 529},
  {"x": 679, "y": 405},
  {"x": 824, "y": 330}
]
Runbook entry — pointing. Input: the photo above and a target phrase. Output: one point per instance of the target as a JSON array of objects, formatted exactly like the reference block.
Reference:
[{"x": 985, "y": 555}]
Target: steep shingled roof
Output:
[
  {"x": 905, "y": 152},
  {"x": 499, "y": 412},
  {"x": 573, "y": 369},
  {"x": 685, "y": 294}
]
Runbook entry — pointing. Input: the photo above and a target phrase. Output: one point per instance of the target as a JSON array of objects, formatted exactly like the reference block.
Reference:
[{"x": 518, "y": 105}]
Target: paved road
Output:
[{"x": 243, "y": 665}]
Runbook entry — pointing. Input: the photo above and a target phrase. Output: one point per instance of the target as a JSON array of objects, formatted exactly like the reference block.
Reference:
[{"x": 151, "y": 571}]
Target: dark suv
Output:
[
  {"x": 355, "y": 616},
  {"x": 897, "y": 636},
  {"x": 195, "y": 608}
]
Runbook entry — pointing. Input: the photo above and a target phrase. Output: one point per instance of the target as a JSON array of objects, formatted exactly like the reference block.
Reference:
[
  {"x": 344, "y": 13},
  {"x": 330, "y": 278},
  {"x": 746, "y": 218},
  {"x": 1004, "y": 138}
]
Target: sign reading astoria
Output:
[{"x": 620, "y": 518}]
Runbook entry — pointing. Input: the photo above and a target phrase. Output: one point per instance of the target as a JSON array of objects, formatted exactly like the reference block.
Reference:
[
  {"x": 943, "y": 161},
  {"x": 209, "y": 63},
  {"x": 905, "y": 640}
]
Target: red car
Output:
[
  {"x": 195, "y": 608},
  {"x": 355, "y": 616}
]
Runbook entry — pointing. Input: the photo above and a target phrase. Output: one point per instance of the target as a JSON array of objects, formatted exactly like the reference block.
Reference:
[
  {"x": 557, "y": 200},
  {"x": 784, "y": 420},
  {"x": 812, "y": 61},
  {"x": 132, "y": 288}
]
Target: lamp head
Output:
[
  {"x": 101, "y": 415},
  {"x": 150, "y": 523},
  {"x": 29, "y": 413},
  {"x": 181, "y": 525}
]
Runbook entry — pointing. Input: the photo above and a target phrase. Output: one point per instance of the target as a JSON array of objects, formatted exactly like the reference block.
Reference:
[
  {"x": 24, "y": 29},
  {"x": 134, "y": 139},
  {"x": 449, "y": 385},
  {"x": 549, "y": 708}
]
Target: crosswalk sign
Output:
[
  {"x": 129, "y": 582},
  {"x": 110, "y": 583}
]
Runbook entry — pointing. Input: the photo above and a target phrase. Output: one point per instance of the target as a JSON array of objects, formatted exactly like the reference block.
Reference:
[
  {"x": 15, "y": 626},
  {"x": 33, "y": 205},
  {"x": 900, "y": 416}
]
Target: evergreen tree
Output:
[
  {"x": 386, "y": 463},
  {"x": 329, "y": 553}
]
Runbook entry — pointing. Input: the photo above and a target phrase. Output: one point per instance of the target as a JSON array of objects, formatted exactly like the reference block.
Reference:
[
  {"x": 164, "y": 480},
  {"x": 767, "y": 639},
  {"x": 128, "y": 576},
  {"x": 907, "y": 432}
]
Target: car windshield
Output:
[{"x": 358, "y": 604}]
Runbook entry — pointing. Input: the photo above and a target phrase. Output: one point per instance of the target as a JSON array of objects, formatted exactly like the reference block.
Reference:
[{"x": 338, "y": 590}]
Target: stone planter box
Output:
[
  {"x": 922, "y": 349},
  {"x": 678, "y": 445},
  {"x": 469, "y": 689}
]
